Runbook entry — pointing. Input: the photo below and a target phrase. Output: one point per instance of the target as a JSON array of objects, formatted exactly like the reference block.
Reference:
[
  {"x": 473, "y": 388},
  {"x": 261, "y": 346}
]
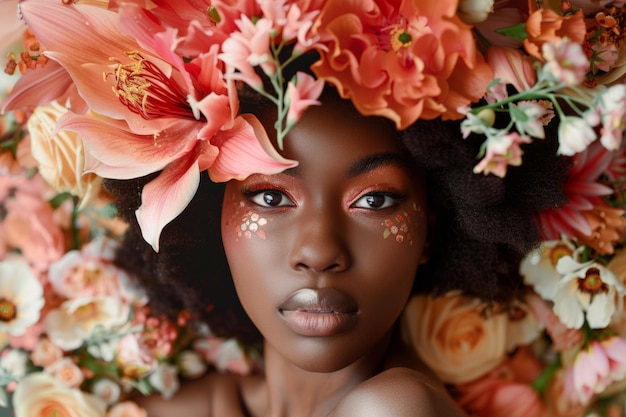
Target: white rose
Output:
[
  {"x": 475, "y": 11},
  {"x": 191, "y": 364}
]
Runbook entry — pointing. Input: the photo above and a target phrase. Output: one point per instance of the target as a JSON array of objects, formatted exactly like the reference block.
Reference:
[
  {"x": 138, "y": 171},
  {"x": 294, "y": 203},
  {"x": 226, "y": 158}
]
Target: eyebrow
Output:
[
  {"x": 372, "y": 162},
  {"x": 369, "y": 163}
]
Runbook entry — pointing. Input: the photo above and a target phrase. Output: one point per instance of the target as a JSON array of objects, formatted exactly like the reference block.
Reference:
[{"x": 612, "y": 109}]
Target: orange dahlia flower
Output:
[{"x": 402, "y": 59}]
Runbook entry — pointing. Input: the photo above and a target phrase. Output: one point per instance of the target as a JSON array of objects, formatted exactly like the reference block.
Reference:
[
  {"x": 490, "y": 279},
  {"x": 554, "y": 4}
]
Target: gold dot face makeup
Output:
[
  {"x": 247, "y": 223},
  {"x": 402, "y": 226}
]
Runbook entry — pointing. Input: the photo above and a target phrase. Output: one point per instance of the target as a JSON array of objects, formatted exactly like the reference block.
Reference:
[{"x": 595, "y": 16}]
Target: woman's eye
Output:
[
  {"x": 377, "y": 201},
  {"x": 271, "y": 198}
]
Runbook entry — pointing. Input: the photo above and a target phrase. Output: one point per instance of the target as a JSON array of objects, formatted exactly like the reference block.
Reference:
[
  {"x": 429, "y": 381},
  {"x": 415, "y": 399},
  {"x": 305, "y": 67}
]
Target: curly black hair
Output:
[{"x": 484, "y": 225}]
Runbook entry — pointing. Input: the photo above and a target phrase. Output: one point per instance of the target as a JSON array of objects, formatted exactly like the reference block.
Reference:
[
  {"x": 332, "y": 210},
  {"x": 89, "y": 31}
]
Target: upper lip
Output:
[{"x": 319, "y": 300}]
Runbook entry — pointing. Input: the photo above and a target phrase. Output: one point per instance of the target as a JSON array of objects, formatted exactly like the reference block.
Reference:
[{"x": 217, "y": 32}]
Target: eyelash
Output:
[
  {"x": 396, "y": 198},
  {"x": 257, "y": 196}
]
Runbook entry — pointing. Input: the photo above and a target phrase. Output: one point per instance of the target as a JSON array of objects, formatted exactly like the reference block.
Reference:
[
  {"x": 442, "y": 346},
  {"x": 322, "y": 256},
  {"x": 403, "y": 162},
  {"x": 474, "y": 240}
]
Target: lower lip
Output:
[{"x": 318, "y": 324}]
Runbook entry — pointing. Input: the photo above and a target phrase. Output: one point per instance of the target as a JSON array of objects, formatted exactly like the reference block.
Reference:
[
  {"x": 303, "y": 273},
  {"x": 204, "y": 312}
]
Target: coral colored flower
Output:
[
  {"x": 503, "y": 149},
  {"x": 545, "y": 25},
  {"x": 402, "y": 59},
  {"x": 21, "y": 297},
  {"x": 39, "y": 395},
  {"x": 454, "y": 336},
  {"x": 180, "y": 120},
  {"x": 595, "y": 368},
  {"x": 583, "y": 191},
  {"x": 505, "y": 391},
  {"x": 565, "y": 62}
]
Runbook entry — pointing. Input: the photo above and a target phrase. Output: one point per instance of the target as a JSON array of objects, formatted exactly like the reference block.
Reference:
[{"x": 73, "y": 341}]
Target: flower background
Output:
[{"x": 77, "y": 337}]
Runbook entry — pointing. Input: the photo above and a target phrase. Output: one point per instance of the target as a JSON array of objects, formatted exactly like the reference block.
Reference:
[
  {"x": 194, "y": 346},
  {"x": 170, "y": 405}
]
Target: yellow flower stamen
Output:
[
  {"x": 558, "y": 251},
  {"x": 143, "y": 87}
]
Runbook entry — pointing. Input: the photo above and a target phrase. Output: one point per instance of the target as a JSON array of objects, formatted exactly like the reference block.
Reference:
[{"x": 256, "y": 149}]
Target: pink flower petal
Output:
[
  {"x": 166, "y": 197},
  {"x": 246, "y": 149}
]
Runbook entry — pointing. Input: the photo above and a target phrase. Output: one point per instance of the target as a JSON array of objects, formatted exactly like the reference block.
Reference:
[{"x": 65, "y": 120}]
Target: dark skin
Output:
[{"x": 320, "y": 269}]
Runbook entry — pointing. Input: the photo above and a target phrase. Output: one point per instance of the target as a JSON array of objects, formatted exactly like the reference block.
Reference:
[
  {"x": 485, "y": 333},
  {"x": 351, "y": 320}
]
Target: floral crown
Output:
[{"x": 153, "y": 87}]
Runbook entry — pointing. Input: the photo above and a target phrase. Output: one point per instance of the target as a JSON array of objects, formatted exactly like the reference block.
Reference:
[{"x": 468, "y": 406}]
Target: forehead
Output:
[{"x": 334, "y": 136}]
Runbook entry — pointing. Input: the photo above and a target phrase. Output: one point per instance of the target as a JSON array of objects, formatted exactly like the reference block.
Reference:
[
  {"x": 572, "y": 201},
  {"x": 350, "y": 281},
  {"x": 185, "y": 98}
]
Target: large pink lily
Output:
[{"x": 151, "y": 111}]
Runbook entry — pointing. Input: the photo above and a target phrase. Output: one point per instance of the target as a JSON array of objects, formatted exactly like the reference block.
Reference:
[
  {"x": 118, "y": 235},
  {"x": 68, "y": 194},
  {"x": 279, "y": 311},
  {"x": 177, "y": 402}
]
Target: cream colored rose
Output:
[
  {"x": 61, "y": 155},
  {"x": 39, "y": 395},
  {"x": 453, "y": 336}
]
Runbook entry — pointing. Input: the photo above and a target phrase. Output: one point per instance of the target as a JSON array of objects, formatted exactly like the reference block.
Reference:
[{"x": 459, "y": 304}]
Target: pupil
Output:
[
  {"x": 375, "y": 200},
  {"x": 271, "y": 198}
]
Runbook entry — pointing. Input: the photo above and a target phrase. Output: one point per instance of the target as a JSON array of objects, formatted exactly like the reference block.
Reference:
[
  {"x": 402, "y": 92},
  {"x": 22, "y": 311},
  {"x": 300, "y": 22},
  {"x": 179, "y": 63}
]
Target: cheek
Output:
[
  {"x": 407, "y": 227},
  {"x": 241, "y": 222}
]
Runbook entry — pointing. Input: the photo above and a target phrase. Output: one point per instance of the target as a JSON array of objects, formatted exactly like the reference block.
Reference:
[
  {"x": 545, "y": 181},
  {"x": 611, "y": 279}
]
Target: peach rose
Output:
[
  {"x": 454, "y": 337},
  {"x": 45, "y": 353},
  {"x": 61, "y": 156},
  {"x": 127, "y": 409},
  {"x": 66, "y": 372},
  {"x": 39, "y": 395}
]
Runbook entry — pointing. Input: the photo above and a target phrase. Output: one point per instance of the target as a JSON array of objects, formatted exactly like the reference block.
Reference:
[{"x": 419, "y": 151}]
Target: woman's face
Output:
[{"x": 323, "y": 256}]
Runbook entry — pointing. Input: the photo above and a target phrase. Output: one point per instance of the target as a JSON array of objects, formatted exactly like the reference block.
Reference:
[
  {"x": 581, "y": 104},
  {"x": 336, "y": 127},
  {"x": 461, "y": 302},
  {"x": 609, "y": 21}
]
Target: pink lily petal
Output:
[
  {"x": 113, "y": 145},
  {"x": 91, "y": 38},
  {"x": 167, "y": 195},
  {"x": 38, "y": 87},
  {"x": 245, "y": 149}
]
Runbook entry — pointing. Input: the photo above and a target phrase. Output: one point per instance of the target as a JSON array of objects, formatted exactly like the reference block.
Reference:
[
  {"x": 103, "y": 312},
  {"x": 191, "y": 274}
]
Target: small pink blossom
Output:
[
  {"x": 302, "y": 94},
  {"x": 248, "y": 48},
  {"x": 226, "y": 355},
  {"x": 66, "y": 372},
  {"x": 502, "y": 150},
  {"x": 134, "y": 361},
  {"x": 566, "y": 62},
  {"x": 45, "y": 353},
  {"x": 595, "y": 368},
  {"x": 612, "y": 109}
]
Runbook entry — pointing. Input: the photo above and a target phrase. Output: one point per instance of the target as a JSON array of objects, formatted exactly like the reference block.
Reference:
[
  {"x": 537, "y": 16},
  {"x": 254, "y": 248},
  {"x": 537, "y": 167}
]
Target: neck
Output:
[{"x": 296, "y": 392}]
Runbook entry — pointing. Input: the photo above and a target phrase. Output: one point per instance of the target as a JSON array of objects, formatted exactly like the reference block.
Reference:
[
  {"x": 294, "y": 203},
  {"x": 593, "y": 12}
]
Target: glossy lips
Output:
[{"x": 319, "y": 312}]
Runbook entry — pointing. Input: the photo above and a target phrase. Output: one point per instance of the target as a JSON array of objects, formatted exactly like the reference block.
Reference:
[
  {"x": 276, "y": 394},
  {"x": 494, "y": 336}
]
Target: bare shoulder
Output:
[
  {"x": 208, "y": 396},
  {"x": 399, "y": 392}
]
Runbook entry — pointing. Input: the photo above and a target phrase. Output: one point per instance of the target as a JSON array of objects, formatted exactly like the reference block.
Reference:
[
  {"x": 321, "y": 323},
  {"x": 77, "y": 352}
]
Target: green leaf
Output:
[
  {"x": 517, "y": 32},
  {"x": 56, "y": 201},
  {"x": 517, "y": 114}
]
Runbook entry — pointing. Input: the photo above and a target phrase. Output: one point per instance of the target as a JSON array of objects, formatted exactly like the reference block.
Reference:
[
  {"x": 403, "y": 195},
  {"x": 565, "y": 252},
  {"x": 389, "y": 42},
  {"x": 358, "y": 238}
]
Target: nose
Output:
[{"x": 320, "y": 244}]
